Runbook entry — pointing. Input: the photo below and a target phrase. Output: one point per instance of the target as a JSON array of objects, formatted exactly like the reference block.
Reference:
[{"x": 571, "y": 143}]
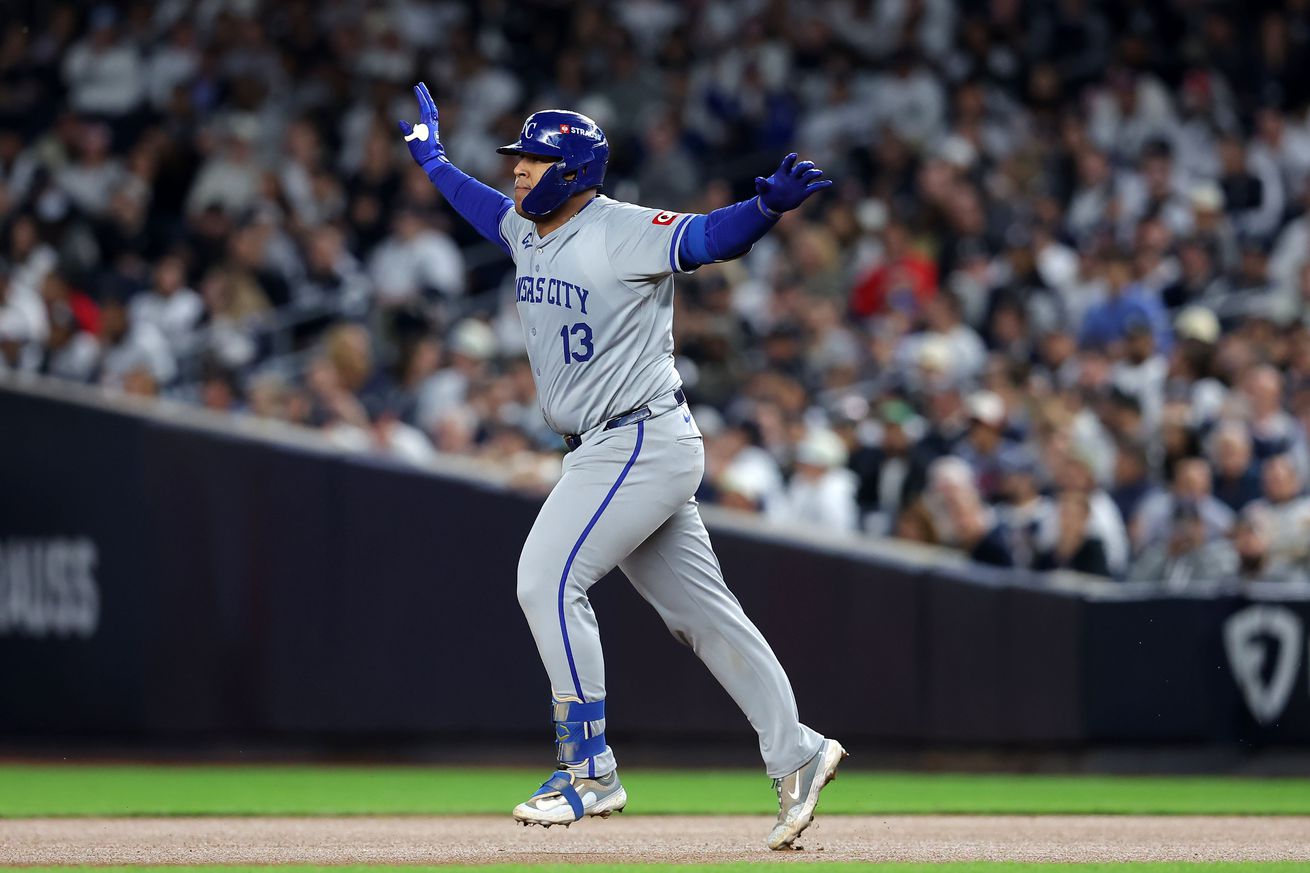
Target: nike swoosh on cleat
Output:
[{"x": 795, "y": 795}]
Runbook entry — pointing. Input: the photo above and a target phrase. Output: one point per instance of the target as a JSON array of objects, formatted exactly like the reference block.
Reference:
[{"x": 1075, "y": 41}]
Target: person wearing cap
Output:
[
  {"x": 1212, "y": 226},
  {"x": 985, "y": 442},
  {"x": 1023, "y": 506},
  {"x": 1141, "y": 371},
  {"x": 821, "y": 492},
  {"x": 947, "y": 418},
  {"x": 1190, "y": 556},
  {"x": 951, "y": 345},
  {"x": 892, "y": 473},
  {"x": 922, "y": 364},
  {"x": 1192, "y": 484}
]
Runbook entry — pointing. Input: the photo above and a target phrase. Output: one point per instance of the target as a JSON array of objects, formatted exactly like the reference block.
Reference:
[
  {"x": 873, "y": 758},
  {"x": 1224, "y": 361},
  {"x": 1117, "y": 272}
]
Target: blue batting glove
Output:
[
  {"x": 422, "y": 138},
  {"x": 789, "y": 186}
]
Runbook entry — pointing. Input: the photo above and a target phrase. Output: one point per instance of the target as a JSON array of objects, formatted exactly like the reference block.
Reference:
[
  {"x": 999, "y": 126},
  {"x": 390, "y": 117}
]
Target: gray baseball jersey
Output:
[{"x": 596, "y": 300}]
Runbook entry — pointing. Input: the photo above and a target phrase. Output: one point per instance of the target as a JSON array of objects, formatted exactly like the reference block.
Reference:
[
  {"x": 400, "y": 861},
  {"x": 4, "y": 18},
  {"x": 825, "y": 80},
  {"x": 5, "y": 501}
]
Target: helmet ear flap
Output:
[{"x": 550, "y": 192}]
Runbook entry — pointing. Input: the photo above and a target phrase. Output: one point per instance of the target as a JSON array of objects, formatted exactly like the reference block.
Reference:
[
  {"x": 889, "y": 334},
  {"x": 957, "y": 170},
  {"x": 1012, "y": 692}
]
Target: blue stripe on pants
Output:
[{"x": 568, "y": 565}]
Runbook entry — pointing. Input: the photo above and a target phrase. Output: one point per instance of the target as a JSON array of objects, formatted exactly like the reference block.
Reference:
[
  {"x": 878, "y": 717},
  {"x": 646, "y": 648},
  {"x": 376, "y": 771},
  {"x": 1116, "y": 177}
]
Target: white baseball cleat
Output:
[
  {"x": 798, "y": 793},
  {"x": 566, "y": 798}
]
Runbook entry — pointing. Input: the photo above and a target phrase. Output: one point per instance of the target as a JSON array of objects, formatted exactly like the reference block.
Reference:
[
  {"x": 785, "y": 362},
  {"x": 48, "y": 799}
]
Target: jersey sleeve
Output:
[
  {"x": 516, "y": 231},
  {"x": 642, "y": 244}
]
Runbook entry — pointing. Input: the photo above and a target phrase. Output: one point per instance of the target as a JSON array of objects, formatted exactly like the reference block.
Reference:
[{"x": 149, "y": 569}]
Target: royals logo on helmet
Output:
[{"x": 664, "y": 218}]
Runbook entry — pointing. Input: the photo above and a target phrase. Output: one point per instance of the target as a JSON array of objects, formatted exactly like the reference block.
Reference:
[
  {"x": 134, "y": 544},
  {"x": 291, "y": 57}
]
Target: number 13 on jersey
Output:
[{"x": 582, "y": 332}]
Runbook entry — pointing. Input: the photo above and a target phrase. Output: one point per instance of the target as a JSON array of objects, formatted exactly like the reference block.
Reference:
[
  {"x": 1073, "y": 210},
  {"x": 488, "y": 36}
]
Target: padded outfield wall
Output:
[{"x": 166, "y": 572}]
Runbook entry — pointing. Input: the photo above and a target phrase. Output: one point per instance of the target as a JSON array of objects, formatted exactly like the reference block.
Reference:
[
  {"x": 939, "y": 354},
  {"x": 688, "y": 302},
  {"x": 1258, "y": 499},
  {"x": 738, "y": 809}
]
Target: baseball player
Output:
[{"x": 594, "y": 287}]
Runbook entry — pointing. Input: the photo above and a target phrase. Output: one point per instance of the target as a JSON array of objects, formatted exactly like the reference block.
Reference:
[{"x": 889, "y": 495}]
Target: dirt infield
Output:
[{"x": 485, "y": 839}]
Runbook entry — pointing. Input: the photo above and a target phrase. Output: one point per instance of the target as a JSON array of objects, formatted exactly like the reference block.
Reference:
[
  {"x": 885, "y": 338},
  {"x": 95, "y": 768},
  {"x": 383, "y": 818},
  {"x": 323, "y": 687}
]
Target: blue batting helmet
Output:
[{"x": 578, "y": 144}]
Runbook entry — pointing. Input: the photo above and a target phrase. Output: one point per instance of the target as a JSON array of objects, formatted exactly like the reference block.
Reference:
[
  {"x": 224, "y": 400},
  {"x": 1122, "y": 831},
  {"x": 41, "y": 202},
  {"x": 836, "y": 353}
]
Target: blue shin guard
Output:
[{"x": 575, "y": 741}]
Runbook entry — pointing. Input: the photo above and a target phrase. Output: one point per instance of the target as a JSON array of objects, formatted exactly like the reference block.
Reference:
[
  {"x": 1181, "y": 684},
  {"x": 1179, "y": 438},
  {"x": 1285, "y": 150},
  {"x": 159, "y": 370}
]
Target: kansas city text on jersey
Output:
[{"x": 548, "y": 289}]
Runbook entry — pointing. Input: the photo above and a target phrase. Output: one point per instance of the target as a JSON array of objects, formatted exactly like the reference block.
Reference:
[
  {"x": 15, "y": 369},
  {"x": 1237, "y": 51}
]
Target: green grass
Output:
[
  {"x": 743, "y": 867},
  {"x": 71, "y": 790}
]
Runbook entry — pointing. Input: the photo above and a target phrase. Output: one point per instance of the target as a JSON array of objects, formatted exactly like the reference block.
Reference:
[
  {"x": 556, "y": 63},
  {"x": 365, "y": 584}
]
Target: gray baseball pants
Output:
[{"x": 625, "y": 500}]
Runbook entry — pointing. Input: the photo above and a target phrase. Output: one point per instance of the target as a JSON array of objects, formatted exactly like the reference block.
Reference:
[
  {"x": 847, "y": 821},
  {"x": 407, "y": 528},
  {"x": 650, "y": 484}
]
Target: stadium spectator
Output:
[
  {"x": 1073, "y": 471},
  {"x": 984, "y": 443},
  {"x": 903, "y": 282},
  {"x": 1236, "y": 472},
  {"x": 170, "y": 307},
  {"x": 1132, "y": 477},
  {"x": 821, "y": 491},
  {"x": 1287, "y": 510},
  {"x": 1191, "y": 557},
  {"x": 1192, "y": 486},
  {"x": 892, "y": 473},
  {"x": 960, "y": 517},
  {"x": 1074, "y": 548},
  {"x": 131, "y": 353},
  {"x": 739, "y": 471},
  {"x": 1253, "y": 533},
  {"x": 1025, "y": 507},
  {"x": 103, "y": 70},
  {"x": 415, "y": 262},
  {"x": 1273, "y": 429},
  {"x": 1126, "y": 307}
]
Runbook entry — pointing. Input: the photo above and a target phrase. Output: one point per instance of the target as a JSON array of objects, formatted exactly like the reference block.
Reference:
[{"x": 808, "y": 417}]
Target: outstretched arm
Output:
[
  {"x": 731, "y": 231},
  {"x": 479, "y": 205}
]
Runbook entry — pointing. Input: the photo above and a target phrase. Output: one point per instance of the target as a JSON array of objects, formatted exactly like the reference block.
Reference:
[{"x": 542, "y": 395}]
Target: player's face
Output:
[{"x": 527, "y": 173}]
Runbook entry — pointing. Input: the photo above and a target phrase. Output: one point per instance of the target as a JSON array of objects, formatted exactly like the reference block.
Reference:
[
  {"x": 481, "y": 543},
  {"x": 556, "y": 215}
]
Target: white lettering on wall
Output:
[{"x": 48, "y": 587}]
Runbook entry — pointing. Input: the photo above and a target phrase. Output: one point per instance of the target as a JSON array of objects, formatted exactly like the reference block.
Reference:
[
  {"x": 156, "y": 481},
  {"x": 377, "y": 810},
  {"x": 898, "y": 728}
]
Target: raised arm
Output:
[
  {"x": 479, "y": 205},
  {"x": 731, "y": 231}
]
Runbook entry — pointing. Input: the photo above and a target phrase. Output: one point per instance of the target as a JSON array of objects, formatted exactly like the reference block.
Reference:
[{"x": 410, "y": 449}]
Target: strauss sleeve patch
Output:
[{"x": 664, "y": 218}]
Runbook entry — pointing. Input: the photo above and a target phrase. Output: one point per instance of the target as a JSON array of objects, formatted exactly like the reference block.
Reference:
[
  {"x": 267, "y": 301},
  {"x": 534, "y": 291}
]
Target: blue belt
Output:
[{"x": 573, "y": 440}]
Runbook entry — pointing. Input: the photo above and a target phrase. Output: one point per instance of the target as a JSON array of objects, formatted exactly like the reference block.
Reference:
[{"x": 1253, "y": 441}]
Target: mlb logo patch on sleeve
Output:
[{"x": 664, "y": 218}]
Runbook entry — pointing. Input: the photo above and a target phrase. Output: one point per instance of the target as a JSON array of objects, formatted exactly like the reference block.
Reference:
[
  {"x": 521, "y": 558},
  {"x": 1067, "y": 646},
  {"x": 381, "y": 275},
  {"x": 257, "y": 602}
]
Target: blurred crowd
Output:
[{"x": 1053, "y": 313}]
